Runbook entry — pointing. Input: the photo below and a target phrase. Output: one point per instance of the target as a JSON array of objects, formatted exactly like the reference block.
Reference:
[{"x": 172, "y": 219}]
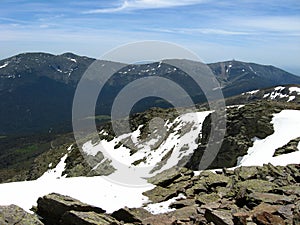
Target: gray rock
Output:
[
  {"x": 53, "y": 206},
  {"x": 13, "y": 214},
  {"x": 219, "y": 217},
  {"x": 131, "y": 215},
  {"x": 87, "y": 218}
]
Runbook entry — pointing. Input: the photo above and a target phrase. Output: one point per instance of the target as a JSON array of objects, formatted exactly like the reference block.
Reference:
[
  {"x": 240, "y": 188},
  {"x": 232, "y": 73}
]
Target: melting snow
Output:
[
  {"x": 291, "y": 98},
  {"x": 98, "y": 191},
  {"x": 55, "y": 173},
  {"x": 286, "y": 126},
  {"x": 277, "y": 93},
  {"x": 294, "y": 89},
  {"x": 163, "y": 207},
  {"x": 176, "y": 140}
]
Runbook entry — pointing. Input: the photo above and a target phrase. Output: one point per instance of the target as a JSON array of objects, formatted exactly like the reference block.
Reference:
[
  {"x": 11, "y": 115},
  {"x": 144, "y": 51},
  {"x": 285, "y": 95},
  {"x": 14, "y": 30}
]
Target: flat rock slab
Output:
[{"x": 13, "y": 214}]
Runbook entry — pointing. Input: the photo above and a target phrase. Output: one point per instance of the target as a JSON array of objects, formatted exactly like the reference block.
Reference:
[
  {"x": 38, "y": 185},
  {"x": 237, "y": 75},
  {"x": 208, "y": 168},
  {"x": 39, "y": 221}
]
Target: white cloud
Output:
[{"x": 146, "y": 4}]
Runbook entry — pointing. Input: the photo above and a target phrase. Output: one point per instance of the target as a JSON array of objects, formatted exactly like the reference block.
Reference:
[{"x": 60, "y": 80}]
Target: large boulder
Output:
[
  {"x": 53, "y": 206},
  {"x": 131, "y": 215}
]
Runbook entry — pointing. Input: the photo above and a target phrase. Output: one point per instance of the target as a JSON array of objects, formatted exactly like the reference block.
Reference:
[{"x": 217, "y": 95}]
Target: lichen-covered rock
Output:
[
  {"x": 87, "y": 218},
  {"x": 246, "y": 173},
  {"x": 168, "y": 177},
  {"x": 256, "y": 185},
  {"x": 53, "y": 206},
  {"x": 13, "y": 214},
  {"x": 220, "y": 217},
  {"x": 292, "y": 146},
  {"x": 207, "y": 198},
  {"x": 270, "y": 198},
  {"x": 131, "y": 215}
]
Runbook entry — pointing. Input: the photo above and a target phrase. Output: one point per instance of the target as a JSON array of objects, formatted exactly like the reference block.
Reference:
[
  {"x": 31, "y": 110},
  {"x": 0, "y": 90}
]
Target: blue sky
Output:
[{"x": 266, "y": 32}]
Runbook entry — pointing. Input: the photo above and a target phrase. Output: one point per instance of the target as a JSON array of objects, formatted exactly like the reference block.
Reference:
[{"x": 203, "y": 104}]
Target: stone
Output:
[
  {"x": 182, "y": 203},
  {"x": 246, "y": 173},
  {"x": 207, "y": 198},
  {"x": 288, "y": 190},
  {"x": 263, "y": 207},
  {"x": 286, "y": 212},
  {"x": 167, "y": 177},
  {"x": 87, "y": 218},
  {"x": 218, "y": 217},
  {"x": 161, "y": 219},
  {"x": 53, "y": 206},
  {"x": 240, "y": 218},
  {"x": 13, "y": 214},
  {"x": 131, "y": 215},
  {"x": 256, "y": 185},
  {"x": 184, "y": 214},
  {"x": 266, "y": 218},
  {"x": 160, "y": 194},
  {"x": 270, "y": 198},
  {"x": 296, "y": 213},
  {"x": 198, "y": 187},
  {"x": 213, "y": 180}
]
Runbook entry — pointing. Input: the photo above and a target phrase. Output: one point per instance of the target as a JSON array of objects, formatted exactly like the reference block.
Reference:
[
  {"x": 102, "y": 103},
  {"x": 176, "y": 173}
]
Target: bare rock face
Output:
[
  {"x": 87, "y": 218},
  {"x": 52, "y": 207},
  {"x": 13, "y": 214},
  {"x": 247, "y": 195}
]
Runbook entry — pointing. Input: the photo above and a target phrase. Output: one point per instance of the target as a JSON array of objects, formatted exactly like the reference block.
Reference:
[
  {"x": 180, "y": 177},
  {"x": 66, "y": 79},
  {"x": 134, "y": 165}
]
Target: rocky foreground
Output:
[{"x": 266, "y": 195}]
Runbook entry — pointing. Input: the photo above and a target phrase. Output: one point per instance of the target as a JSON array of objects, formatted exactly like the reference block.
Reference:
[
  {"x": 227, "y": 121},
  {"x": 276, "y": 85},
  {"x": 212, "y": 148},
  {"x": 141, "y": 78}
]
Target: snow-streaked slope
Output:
[
  {"x": 283, "y": 92},
  {"x": 109, "y": 192},
  {"x": 98, "y": 191},
  {"x": 106, "y": 193},
  {"x": 286, "y": 127},
  {"x": 176, "y": 138}
]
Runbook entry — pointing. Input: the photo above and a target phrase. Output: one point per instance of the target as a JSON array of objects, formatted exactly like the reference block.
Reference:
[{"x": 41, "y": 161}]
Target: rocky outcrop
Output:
[
  {"x": 87, "y": 218},
  {"x": 292, "y": 146},
  {"x": 265, "y": 195},
  {"x": 248, "y": 195},
  {"x": 13, "y": 214},
  {"x": 242, "y": 125},
  {"x": 51, "y": 208}
]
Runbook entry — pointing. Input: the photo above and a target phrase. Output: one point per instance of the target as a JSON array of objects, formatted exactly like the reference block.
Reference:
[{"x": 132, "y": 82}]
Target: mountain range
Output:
[{"x": 37, "y": 89}]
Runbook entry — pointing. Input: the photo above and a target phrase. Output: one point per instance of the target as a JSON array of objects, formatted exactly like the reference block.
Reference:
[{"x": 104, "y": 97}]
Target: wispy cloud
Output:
[
  {"x": 145, "y": 4},
  {"x": 194, "y": 31},
  {"x": 274, "y": 23}
]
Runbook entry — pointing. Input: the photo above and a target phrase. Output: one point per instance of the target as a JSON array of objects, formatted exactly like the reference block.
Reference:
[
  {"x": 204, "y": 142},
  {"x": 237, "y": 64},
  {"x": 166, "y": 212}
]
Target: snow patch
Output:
[
  {"x": 163, "y": 207},
  {"x": 286, "y": 128},
  {"x": 97, "y": 191},
  {"x": 291, "y": 98},
  {"x": 294, "y": 89},
  {"x": 55, "y": 173}
]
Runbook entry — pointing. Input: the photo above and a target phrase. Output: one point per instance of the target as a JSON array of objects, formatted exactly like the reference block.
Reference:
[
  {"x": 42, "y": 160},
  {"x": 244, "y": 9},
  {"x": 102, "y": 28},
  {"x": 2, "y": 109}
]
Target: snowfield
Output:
[
  {"x": 104, "y": 192},
  {"x": 286, "y": 126}
]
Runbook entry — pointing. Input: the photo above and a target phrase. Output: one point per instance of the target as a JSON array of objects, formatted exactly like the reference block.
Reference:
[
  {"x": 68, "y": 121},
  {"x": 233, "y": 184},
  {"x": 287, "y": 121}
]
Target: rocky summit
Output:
[{"x": 264, "y": 195}]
